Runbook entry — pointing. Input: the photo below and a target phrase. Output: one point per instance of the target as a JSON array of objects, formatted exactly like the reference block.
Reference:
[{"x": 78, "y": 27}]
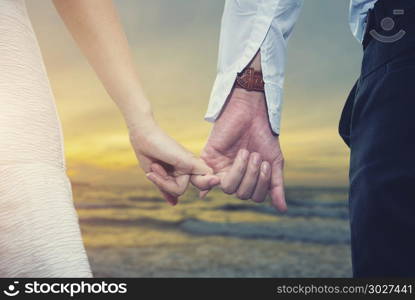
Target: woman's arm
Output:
[{"x": 95, "y": 26}]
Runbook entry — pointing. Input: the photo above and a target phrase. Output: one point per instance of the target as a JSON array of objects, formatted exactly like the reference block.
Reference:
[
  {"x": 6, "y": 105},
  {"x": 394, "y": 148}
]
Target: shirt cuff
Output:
[{"x": 222, "y": 88}]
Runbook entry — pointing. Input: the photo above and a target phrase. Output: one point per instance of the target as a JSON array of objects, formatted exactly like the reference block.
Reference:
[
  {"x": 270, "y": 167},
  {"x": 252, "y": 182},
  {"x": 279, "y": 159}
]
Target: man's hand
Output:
[{"x": 244, "y": 153}]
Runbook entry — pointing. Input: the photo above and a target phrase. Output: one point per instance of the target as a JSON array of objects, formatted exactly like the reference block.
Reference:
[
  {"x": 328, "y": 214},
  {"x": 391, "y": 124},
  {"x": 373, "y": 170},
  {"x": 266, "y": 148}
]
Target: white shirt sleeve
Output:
[
  {"x": 249, "y": 26},
  {"x": 358, "y": 16}
]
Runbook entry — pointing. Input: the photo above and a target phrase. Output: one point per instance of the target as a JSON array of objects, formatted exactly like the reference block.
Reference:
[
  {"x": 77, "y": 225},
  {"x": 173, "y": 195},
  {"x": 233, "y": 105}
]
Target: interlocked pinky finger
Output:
[{"x": 264, "y": 181}]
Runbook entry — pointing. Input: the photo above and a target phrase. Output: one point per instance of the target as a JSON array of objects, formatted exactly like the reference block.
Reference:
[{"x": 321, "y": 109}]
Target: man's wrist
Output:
[
  {"x": 251, "y": 99},
  {"x": 250, "y": 80}
]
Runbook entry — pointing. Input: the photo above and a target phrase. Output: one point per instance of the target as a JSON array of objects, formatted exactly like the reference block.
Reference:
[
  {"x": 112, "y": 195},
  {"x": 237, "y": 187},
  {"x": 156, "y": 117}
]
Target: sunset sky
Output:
[{"x": 175, "y": 43}]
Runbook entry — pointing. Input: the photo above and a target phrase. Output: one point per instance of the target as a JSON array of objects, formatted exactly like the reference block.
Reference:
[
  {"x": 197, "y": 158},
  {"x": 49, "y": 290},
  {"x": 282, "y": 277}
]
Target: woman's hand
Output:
[{"x": 166, "y": 163}]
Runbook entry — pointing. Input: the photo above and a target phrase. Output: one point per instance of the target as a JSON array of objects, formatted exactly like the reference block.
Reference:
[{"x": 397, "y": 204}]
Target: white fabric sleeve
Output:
[
  {"x": 249, "y": 26},
  {"x": 358, "y": 17}
]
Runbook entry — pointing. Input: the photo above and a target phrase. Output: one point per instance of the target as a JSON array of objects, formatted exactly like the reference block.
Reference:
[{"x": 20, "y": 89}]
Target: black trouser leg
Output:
[{"x": 378, "y": 123}]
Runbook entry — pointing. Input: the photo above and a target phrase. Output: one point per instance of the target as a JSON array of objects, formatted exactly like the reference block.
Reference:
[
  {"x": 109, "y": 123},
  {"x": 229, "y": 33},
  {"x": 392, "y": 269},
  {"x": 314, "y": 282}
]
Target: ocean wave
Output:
[
  {"x": 142, "y": 221},
  {"x": 298, "y": 230},
  {"x": 307, "y": 231},
  {"x": 293, "y": 211},
  {"x": 102, "y": 206},
  {"x": 146, "y": 199},
  {"x": 316, "y": 203}
]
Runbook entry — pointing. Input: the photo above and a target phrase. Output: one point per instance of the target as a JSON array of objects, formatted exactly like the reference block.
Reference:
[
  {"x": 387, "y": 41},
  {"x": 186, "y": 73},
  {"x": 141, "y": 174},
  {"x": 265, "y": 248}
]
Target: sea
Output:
[{"x": 130, "y": 231}]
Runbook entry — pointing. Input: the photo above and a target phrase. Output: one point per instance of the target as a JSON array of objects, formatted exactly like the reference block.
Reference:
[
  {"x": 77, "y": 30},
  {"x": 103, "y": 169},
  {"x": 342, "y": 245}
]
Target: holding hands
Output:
[
  {"x": 242, "y": 155},
  {"x": 166, "y": 163}
]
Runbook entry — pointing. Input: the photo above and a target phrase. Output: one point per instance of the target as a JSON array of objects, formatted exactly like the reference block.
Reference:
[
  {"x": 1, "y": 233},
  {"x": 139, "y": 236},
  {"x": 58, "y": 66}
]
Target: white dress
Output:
[{"x": 39, "y": 228}]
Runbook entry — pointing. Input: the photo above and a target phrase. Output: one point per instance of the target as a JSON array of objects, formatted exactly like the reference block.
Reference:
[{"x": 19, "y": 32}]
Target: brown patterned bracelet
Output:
[{"x": 250, "y": 80}]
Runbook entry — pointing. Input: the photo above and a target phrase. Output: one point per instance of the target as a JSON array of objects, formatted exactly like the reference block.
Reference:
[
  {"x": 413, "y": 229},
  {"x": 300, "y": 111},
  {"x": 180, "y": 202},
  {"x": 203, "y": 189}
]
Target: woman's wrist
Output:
[
  {"x": 141, "y": 124},
  {"x": 137, "y": 113}
]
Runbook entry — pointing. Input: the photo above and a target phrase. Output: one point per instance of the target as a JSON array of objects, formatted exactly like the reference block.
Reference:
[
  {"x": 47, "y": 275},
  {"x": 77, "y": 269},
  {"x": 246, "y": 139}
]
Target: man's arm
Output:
[
  {"x": 250, "y": 27},
  {"x": 243, "y": 148}
]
